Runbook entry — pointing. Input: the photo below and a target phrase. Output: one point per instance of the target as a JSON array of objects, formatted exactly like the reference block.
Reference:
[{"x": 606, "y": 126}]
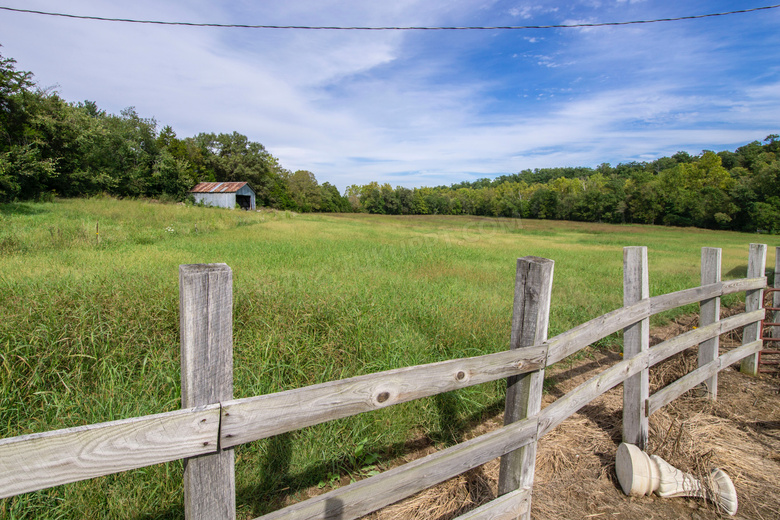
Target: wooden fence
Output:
[{"x": 211, "y": 421}]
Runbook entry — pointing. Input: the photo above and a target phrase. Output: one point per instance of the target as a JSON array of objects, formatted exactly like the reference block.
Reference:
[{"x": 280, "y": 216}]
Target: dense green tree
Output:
[
  {"x": 766, "y": 215},
  {"x": 644, "y": 204},
  {"x": 419, "y": 203},
  {"x": 332, "y": 200},
  {"x": 233, "y": 157},
  {"x": 683, "y": 158},
  {"x": 544, "y": 204},
  {"x": 15, "y": 85},
  {"x": 772, "y": 144},
  {"x": 305, "y": 191},
  {"x": 352, "y": 194},
  {"x": 171, "y": 176},
  {"x": 371, "y": 199},
  {"x": 25, "y": 170},
  {"x": 750, "y": 155},
  {"x": 405, "y": 200},
  {"x": 507, "y": 200},
  {"x": 766, "y": 180},
  {"x": 129, "y": 152}
]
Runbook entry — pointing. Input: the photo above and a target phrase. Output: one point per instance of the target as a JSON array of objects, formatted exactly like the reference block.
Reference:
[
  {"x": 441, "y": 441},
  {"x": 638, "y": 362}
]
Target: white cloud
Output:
[{"x": 526, "y": 11}]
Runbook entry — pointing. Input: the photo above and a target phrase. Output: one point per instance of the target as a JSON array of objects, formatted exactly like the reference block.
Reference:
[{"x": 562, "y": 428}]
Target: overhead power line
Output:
[{"x": 340, "y": 28}]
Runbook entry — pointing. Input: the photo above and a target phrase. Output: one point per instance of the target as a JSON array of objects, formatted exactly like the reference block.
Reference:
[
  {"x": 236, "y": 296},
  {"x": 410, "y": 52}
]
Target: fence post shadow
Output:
[
  {"x": 334, "y": 509},
  {"x": 274, "y": 474},
  {"x": 451, "y": 426}
]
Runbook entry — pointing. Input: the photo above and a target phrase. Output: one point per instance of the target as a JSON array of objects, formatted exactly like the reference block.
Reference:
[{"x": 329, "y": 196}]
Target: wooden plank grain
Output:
[
  {"x": 636, "y": 340},
  {"x": 566, "y": 406},
  {"x": 573, "y": 340},
  {"x": 249, "y": 419},
  {"x": 687, "y": 382},
  {"x": 756, "y": 267},
  {"x": 776, "y": 295},
  {"x": 733, "y": 356},
  {"x": 775, "y": 316},
  {"x": 42, "y": 460},
  {"x": 569, "y": 404},
  {"x": 365, "y": 496},
  {"x": 672, "y": 346},
  {"x": 530, "y": 320},
  {"x": 253, "y": 418},
  {"x": 506, "y": 507},
  {"x": 743, "y": 284},
  {"x": 709, "y": 313},
  {"x": 206, "y": 325}
]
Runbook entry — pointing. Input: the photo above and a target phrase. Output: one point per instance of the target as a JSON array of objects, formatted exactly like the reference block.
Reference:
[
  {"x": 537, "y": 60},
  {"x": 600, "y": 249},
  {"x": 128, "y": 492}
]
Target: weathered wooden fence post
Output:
[
  {"x": 206, "y": 323},
  {"x": 709, "y": 313},
  {"x": 530, "y": 318},
  {"x": 636, "y": 339},
  {"x": 776, "y": 296},
  {"x": 752, "y": 332}
]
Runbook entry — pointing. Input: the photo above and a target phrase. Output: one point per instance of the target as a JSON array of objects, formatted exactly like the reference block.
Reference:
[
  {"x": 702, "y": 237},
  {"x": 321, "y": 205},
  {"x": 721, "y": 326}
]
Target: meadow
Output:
[{"x": 90, "y": 329}]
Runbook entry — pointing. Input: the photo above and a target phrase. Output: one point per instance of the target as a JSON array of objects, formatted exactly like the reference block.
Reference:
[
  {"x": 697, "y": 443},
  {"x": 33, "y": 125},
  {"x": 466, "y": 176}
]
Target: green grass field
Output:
[{"x": 90, "y": 327}]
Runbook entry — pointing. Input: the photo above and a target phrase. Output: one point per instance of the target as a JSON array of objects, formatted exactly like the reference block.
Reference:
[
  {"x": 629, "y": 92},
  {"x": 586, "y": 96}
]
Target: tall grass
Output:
[{"x": 90, "y": 329}]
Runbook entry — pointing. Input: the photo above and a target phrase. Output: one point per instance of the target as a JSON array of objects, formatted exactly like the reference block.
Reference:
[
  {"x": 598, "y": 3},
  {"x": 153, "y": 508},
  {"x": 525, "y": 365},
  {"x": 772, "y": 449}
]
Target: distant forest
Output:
[{"x": 53, "y": 148}]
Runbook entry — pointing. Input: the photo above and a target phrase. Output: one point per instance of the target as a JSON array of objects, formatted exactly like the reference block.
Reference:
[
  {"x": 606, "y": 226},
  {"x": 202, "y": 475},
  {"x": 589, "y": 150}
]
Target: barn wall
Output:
[{"x": 220, "y": 200}]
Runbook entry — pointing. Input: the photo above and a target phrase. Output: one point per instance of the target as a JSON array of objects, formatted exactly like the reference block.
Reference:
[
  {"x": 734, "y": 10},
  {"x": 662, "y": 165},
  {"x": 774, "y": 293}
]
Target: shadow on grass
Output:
[
  {"x": 738, "y": 272},
  {"x": 741, "y": 272},
  {"x": 451, "y": 425},
  {"x": 278, "y": 484},
  {"x": 22, "y": 208},
  {"x": 170, "y": 513}
]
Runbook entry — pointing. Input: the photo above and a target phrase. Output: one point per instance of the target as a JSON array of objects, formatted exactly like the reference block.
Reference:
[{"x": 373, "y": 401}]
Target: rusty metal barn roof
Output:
[{"x": 218, "y": 187}]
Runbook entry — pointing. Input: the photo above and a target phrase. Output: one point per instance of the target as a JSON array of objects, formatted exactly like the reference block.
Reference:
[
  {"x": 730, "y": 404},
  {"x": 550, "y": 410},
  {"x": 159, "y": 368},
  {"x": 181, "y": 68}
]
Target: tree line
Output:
[
  {"x": 50, "y": 147},
  {"x": 737, "y": 190}
]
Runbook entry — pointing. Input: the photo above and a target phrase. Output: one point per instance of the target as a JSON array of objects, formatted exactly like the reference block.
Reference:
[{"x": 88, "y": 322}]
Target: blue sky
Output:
[{"x": 421, "y": 108}]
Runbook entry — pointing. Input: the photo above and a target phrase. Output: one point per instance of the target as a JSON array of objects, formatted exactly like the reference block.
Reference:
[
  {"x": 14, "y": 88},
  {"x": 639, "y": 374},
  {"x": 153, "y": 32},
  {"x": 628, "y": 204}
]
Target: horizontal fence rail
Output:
[
  {"x": 565, "y": 406},
  {"x": 254, "y": 418},
  {"x": 42, "y": 460},
  {"x": 570, "y": 342},
  {"x": 363, "y": 497},
  {"x": 245, "y": 420},
  {"x": 38, "y": 461},
  {"x": 506, "y": 507},
  {"x": 691, "y": 380},
  {"x": 569, "y": 404},
  {"x": 688, "y": 339}
]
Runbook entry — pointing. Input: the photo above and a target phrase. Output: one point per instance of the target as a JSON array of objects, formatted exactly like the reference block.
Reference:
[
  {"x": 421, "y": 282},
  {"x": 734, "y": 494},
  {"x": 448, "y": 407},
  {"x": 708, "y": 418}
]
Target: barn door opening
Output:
[{"x": 244, "y": 201}]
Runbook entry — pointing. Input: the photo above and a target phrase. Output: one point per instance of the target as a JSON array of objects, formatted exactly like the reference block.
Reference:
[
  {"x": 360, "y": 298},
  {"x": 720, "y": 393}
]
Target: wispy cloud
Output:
[{"x": 528, "y": 11}]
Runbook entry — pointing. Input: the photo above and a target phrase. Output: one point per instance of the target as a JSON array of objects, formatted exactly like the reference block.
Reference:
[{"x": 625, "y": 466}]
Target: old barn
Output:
[{"x": 225, "y": 194}]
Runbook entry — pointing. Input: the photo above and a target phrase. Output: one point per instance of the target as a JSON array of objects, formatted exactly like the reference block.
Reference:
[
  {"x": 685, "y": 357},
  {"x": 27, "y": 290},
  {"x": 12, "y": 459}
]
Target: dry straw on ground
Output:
[{"x": 575, "y": 477}]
